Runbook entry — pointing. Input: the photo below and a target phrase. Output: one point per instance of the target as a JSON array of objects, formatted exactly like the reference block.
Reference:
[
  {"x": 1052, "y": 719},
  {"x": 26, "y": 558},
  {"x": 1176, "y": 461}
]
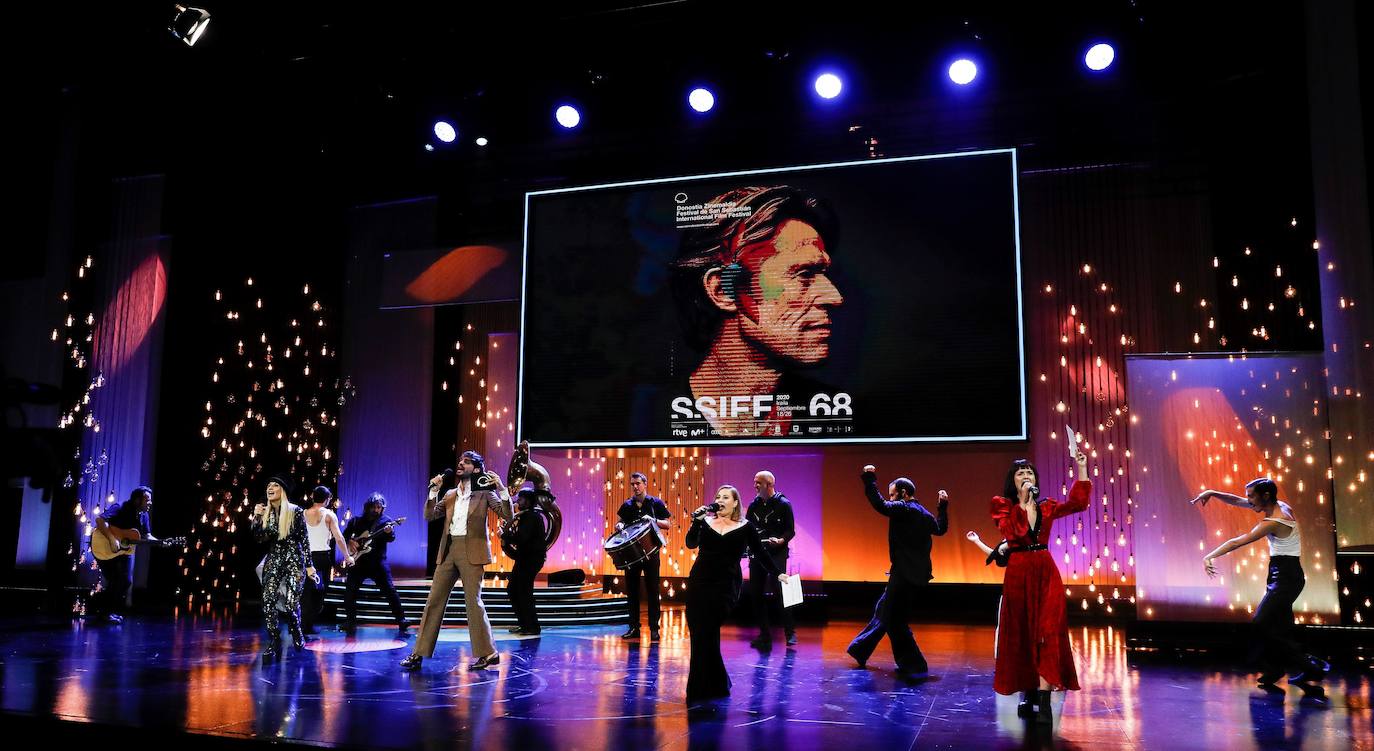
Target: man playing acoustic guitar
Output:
[{"x": 121, "y": 524}]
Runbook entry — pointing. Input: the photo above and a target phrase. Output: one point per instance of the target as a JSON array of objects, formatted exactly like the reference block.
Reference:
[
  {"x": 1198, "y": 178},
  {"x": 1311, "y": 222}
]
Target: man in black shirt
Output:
[
  {"x": 909, "y": 530},
  {"x": 637, "y": 507},
  {"x": 118, "y": 571},
  {"x": 372, "y": 565},
  {"x": 524, "y": 540},
  {"x": 771, "y": 514}
]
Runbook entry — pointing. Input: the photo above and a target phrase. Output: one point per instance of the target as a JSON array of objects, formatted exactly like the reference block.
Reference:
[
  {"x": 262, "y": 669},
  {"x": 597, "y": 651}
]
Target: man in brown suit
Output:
[{"x": 464, "y": 551}]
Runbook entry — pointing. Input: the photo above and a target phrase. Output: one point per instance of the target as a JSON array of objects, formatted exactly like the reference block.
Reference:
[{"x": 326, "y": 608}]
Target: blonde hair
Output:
[
  {"x": 734, "y": 515},
  {"x": 285, "y": 518}
]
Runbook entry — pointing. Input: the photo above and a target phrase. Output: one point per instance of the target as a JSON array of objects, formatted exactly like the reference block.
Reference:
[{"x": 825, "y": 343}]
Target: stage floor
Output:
[{"x": 583, "y": 688}]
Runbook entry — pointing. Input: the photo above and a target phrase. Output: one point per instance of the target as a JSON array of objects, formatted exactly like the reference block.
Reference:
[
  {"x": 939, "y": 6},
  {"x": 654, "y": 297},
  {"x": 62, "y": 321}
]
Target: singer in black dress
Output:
[{"x": 713, "y": 587}]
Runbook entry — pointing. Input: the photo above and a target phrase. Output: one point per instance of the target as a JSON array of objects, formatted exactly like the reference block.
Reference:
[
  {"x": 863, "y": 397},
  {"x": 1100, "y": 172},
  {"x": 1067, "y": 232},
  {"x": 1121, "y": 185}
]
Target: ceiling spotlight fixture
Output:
[
  {"x": 1099, "y": 57},
  {"x": 701, "y": 99},
  {"x": 568, "y": 116},
  {"x": 828, "y": 85},
  {"x": 482, "y": 141},
  {"x": 963, "y": 71},
  {"x": 444, "y": 131},
  {"x": 188, "y": 24}
]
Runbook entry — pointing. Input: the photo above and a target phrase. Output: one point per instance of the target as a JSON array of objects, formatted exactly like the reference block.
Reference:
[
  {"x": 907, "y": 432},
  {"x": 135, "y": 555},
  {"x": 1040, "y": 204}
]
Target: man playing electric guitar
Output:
[{"x": 372, "y": 532}]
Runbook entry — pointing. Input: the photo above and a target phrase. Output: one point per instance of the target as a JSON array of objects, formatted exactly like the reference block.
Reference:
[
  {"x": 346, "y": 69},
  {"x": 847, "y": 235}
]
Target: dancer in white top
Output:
[
  {"x": 1277, "y": 652},
  {"x": 321, "y": 528}
]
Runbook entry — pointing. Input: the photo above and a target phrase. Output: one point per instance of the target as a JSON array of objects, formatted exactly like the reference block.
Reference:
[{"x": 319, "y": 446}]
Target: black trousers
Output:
[
  {"x": 312, "y": 600},
  {"x": 760, "y": 583},
  {"x": 521, "y": 592},
  {"x": 118, "y": 575},
  {"x": 1277, "y": 650},
  {"x": 890, "y": 618},
  {"x": 380, "y": 573},
  {"x": 648, "y": 571}
]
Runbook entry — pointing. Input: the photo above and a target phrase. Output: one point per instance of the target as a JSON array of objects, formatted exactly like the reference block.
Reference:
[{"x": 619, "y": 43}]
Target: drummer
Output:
[{"x": 640, "y": 507}]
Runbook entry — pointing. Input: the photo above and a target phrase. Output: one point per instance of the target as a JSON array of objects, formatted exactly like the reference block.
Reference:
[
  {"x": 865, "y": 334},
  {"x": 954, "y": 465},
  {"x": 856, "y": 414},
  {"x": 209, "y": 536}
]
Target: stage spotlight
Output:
[
  {"x": 963, "y": 71},
  {"x": 828, "y": 85},
  {"x": 701, "y": 100},
  {"x": 444, "y": 131},
  {"x": 481, "y": 141},
  {"x": 188, "y": 24},
  {"x": 568, "y": 116},
  {"x": 1100, "y": 56}
]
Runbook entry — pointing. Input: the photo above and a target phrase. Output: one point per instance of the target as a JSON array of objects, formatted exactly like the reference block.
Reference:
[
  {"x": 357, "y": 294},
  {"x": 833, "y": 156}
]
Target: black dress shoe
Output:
[
  {"x": 412, "y": 662},
  {"x": 653, "y": 635},
  {"x": 1269, "y": 678},
  {"x": 114, "y": 619},
  {"x": 630, "y": 635},
  {"x": 791, "y": 638},
  {"x": 482, "y": 663},
  {"x": 863, "y": 662},
  {"x": 350, "y": 628},
  {"x": 403, "y": 629},
  {"x": 515, "y": 630},
  {"x": 1314, "y": 672},
  {"x": 762, "y": 641}
]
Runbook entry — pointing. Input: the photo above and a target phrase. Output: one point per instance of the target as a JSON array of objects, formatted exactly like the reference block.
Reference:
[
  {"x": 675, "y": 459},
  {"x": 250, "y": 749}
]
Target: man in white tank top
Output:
[
  {"x": 1276, "y": 652},
  {"x": 322, "y": 529}
]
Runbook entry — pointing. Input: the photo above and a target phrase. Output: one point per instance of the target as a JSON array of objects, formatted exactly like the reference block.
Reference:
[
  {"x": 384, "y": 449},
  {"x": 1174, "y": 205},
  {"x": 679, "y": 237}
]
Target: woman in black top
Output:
[{"x": 714, "y": 587}]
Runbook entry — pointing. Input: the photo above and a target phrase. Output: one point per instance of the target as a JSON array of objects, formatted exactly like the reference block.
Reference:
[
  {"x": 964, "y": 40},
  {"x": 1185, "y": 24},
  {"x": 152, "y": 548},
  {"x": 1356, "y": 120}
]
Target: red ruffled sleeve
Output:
[
  {"x": 1011, "y": 520},
  {"x": 1080, "y": 495}
]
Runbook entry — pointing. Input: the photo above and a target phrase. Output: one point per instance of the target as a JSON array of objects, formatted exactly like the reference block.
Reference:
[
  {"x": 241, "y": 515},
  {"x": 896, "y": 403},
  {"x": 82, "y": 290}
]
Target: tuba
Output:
[{"x": 522, "y": 470}]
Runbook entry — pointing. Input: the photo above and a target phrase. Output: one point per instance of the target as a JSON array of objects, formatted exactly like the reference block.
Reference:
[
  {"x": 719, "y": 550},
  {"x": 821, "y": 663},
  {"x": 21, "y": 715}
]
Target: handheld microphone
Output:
[
  {"x": 1034, "y": 491},
  {"x": 709, "y": 508},
  {"x": 447, "y": 479}
]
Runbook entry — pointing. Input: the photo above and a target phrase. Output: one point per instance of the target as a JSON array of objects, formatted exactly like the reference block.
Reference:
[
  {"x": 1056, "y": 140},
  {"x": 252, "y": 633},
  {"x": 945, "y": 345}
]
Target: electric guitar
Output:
[
  {"x": 361, "y": 545},
  {"x": 103, "y": 548}
]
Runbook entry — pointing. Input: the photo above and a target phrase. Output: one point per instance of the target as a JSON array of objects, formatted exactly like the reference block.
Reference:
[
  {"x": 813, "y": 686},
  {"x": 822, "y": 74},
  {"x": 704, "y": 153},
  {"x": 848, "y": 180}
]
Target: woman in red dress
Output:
[{"x": 1033, "y": 653}]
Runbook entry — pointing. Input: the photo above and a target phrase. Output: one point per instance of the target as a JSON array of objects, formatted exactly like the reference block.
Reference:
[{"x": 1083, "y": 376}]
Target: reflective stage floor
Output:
[{"x": 583, "y": 688}]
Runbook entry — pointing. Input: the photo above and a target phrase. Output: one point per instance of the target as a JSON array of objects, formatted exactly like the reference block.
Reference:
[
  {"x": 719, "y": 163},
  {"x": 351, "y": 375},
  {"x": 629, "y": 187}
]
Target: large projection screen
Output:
[{"x": 861, "y": 302}]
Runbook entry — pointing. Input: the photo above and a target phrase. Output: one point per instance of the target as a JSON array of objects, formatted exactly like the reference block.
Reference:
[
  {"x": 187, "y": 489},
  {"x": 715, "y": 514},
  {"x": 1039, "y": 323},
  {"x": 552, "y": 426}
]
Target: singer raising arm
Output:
[
  {"x": 434, "y": 507},
  {"x": 901, "y": 501}
]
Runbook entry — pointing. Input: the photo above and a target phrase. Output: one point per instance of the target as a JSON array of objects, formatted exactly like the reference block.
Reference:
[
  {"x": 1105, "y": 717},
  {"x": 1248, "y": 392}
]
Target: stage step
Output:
[{"x": 560, "y": 605}]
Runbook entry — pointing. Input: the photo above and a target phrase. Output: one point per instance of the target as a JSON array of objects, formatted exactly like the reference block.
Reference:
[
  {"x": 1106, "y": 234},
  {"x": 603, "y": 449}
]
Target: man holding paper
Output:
[{"x": 909, "y": 530}]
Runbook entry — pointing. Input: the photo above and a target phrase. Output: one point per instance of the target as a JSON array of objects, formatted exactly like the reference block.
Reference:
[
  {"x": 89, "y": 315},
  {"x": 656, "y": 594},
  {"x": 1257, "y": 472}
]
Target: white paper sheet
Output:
[{"x": 791, "y": 591}]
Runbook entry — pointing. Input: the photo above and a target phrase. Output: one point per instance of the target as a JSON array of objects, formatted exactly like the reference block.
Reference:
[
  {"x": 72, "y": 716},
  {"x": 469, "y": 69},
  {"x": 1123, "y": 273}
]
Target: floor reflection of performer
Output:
[
  {"x": 720, "y": 536},
  {"x": 1033, "y": 652},
  {"x": 322, "y": 529},
  {"x": 641, "y": 505},
  {"x": 524, "y": 541},
  {"x": 909, "y": 530},
  {"x": 463, "y": 554},
  {"x": 1276, "y": 652},
  {"x": 281, "y": 525}
]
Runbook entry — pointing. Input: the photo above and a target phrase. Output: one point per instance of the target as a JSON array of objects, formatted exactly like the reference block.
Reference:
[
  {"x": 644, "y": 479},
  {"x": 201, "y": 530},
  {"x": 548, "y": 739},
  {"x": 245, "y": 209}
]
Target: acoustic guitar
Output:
[{"x": 126, "y": 540}]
